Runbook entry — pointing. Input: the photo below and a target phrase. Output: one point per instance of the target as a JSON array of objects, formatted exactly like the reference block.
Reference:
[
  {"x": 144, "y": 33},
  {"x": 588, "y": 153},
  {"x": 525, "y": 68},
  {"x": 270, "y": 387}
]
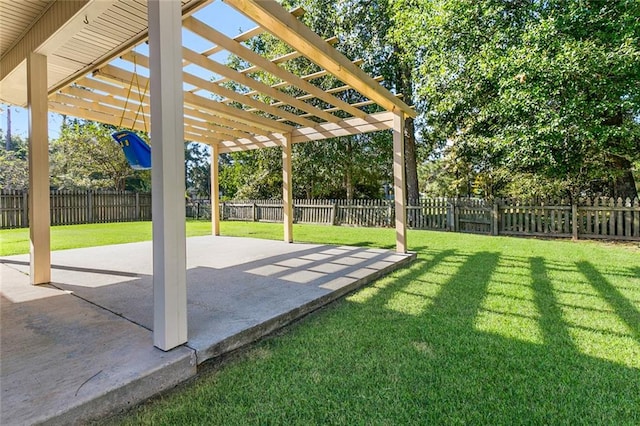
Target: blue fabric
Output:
[{"x": 137, "y": 151}]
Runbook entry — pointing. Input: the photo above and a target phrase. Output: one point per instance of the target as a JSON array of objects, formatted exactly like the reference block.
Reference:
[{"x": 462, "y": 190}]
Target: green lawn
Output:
[
  {"x": 479, "y": 330},
  {"x": 16, "y": 241}
]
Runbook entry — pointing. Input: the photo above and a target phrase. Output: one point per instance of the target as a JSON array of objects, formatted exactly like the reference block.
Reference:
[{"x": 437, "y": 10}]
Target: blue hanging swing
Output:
[{"x": 136, "y": 150}]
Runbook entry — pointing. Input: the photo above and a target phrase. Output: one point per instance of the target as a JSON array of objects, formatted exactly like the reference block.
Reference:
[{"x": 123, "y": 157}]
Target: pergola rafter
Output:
[{"x": 259, "y": 113}]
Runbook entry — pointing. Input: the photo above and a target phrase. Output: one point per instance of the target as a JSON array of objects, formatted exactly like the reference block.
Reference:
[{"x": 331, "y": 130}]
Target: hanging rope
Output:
[
  {"x": 141, "y": 96},
  {"x": 136, "y": 150},
  {"x": 141, "y": 107}
]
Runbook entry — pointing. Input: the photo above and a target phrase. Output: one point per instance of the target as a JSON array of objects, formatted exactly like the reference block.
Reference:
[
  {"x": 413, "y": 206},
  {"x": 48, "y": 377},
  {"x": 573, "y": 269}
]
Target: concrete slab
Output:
[
  {"x": 64, "y": 359},
  {"x": 82, "y": 346}
]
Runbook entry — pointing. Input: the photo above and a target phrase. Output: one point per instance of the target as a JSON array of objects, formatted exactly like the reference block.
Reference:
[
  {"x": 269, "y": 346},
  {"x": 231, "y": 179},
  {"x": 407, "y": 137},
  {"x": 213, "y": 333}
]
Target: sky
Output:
[{"x": 218, "y": 15}]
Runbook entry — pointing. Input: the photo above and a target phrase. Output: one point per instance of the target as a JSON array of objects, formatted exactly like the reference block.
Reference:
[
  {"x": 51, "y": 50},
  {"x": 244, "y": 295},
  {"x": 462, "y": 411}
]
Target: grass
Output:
[
  {"x": 16, "y": 241},
  {"x": 479, "y": 330}
]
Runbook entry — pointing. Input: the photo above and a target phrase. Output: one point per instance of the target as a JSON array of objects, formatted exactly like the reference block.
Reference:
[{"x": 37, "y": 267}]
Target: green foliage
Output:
[
  {"x": 550, "y": 88},
  {"x": 86, "y": 157},
  {"x": 347, "y": 167},
  {"x": 14, "y": 167},
  {"x": 252, "y": 174},
  {"x": 197, "y": 159}
]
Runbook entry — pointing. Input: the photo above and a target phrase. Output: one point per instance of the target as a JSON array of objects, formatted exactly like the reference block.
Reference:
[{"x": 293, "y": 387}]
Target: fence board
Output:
[
  {"x": 77, "y": 207},
  {"x": 593, "y": 218}
]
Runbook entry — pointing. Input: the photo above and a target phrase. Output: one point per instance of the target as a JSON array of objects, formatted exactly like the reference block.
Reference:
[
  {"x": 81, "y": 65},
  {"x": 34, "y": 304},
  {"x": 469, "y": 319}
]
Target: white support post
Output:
[
  {"x": 399, "y": 183},
  {"x": 167, "y": 175},
  {"x": 287, "y": 189},
  {"x": 215, "y": 190},
  {"x": 39, "y": 216}
]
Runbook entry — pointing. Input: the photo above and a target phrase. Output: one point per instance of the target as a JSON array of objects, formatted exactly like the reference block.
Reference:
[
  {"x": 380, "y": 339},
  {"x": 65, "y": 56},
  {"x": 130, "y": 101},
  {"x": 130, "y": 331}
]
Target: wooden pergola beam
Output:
[
  {"x": 334, "y": 90},
  {"x": 217, "y": 68},
  {"x": 282, "y": 59},
  {"x": 214, "y": 107},
  {"x": 222, "y": 125},
  {"x": 236, "y": 48},
  {"x": 351, "y": 126},
  {"x": 281, "y": 24},
  {"x": 92, "y": 110},
  {"x": 305, "y": 77},
  {"x": 210, "y": 86},
  {"x": 297, "y": 12}
]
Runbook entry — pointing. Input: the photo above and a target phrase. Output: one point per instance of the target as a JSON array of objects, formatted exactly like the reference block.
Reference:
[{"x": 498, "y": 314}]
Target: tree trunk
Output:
[
  {"x": 410, "y": 160},
  {"x": 624, "y": 185},
  {"x": 349, "y": 184},
  {"x": 404, "y": 86},
  {"x": 348, "y": 171}
]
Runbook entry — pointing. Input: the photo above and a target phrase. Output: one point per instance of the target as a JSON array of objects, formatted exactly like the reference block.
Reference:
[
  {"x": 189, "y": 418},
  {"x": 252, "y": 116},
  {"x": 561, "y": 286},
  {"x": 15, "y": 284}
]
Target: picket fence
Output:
[
  {"x": 604, "y": 218},
  {"x": 76, "y": 207}
]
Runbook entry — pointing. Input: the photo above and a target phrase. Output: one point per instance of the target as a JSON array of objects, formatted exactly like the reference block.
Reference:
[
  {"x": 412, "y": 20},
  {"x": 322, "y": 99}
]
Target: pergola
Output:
[{"x": 71, "y": 57}]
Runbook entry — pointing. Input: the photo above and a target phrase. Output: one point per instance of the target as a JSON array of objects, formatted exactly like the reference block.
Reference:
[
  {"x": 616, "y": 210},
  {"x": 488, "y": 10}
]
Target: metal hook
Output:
[{"x": 86, "y": 20}]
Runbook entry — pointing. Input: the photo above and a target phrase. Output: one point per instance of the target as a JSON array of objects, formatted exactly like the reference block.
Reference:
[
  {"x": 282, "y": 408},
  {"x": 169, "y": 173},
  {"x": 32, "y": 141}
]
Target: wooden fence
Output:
[
  {"x": 75, "y": 207},
  {"x": 604, "y": 218}
]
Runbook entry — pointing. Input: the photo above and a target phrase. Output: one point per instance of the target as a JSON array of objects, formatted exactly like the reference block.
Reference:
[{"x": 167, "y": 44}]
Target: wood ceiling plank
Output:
[{"x": 129, "y": 14}]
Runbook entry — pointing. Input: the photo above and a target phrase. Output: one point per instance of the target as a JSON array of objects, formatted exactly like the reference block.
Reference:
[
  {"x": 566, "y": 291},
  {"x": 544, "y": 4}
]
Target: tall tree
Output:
[
  {"x": 545, "y": 87},
  {"x": 367, "y": 29},
  {"x": 350, "y": 166}
]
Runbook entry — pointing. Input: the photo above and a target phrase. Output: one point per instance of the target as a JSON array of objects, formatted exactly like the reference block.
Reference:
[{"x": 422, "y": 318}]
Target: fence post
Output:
[
  {"x": 137, "y": 211},
  {"x": 334, "y": 214},
  {"x": 25, "y": 209},
  {"x": 254, "y": 208},
  {"x": 495, "y": 213},
  {"x": 574, "y": 221},
  {"x": 89, "y": 206}
]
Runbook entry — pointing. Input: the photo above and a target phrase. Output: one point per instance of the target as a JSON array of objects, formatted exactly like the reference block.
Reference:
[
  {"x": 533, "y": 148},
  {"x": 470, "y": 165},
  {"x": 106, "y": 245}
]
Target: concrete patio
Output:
[{"x": 82, "y": 346}]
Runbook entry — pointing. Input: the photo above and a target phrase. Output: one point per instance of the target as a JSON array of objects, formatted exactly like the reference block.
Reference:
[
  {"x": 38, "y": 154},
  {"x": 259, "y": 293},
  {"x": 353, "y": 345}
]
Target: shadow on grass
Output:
[
  {"x": 381, "y": 361},
  {"x": 458, "y": 374},
  {"x": 551, "y": 321},
  {"x": 622, "y": 306}
]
